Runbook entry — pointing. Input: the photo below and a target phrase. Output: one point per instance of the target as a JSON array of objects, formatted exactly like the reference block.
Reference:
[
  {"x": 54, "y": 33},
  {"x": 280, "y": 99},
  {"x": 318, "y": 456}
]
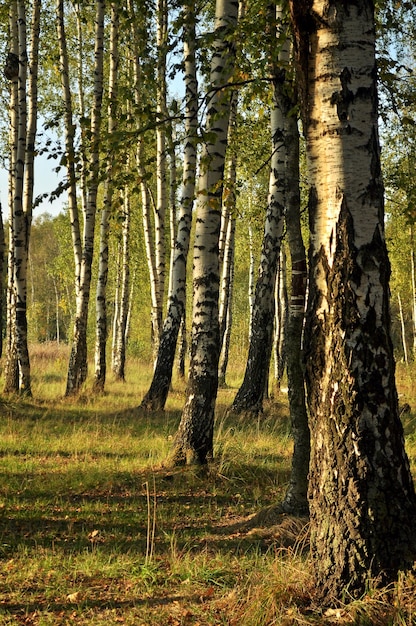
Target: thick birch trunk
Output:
[
  {"x": 194, "y": 439},
  {"x": 362, "y": 500},
  {"x": 155, "y": 398}
]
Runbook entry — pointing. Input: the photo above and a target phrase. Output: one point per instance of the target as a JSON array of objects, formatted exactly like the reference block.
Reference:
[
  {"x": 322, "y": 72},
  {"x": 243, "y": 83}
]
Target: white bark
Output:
[
  {"x": 77, "y": 370},
  {"x": 194, "y": 439},
  {"x": 161, "y": 166},
  {"x": 361, "y": 496},
  {"x": 157, "y": 393},
  {"x": 101, "y": 293}
]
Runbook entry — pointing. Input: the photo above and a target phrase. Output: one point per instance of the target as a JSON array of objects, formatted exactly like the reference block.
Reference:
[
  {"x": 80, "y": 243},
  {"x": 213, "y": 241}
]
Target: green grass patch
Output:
[{"x": 94, "y": 530}]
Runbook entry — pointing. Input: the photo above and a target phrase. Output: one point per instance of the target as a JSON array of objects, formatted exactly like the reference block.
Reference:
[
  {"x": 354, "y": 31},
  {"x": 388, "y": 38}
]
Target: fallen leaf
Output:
[{"x": 73, "y": 597}]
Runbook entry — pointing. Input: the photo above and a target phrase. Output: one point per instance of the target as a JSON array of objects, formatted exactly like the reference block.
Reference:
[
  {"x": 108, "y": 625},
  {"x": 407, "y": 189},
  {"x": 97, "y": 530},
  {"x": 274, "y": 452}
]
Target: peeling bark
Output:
[{"x": 361, "y": 495}]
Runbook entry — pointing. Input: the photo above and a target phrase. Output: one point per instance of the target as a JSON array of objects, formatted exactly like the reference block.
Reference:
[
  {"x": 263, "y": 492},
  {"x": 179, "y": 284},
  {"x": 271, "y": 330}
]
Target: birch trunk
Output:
[
  {"x": 281, "y": 318},
  {"x": 146, "y": 198},
  {"x": 12, "y": 67},
  {"x": 77, "y": 370},
  {"x": 226, "y": 317},
  {"x": 412, "y": 261},
  {"x": 249, "y": 397},
  {"x": 295, "y": 501},
  {"x": 119, "y": 359},
  {"x": 361, "y": 495},
  {"x": 101, "y": 294},
  {"x": 3, "y": 256},
  {"x": 194, "y": 439},
  {"x": 161, "y": 169},
  {"x": 155, "y": 398},
  {"x": 403, "y": 329},
  {"x": 22, "y": 183},
  {"x": 20, "y": 241},
  {"x": 227, "y": 242},
  {"x": 69, "y": 129}
]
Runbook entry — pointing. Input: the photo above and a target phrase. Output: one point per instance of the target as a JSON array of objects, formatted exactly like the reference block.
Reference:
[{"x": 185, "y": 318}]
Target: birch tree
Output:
[
  {"x": 11, "y": 72},
  {"x": 227, "y": 242},
  {"x": 249, "y": 397},
  {"x": 122, "y": 297},
  {"x": 77, "y": 369},
  {"x": 161, "y": 168},
  {"x": 101, "y": 294},
  {"x": 194, "y": 439},
  {"x": 295, "y": 501},
  {"x": 361, "y": 495},
  {"x": 23, "y": 126},
  {"x": 156, "y": 396}
]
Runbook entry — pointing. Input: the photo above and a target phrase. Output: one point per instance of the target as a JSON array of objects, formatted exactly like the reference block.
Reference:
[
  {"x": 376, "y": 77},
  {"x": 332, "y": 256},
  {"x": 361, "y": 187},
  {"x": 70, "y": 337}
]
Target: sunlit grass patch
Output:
[{"x": 95, "y": 530}]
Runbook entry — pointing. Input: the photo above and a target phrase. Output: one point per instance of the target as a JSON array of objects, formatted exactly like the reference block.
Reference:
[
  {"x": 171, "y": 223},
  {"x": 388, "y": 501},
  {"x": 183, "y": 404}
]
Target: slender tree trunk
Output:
[
  {"x": 22, "y": 186},
  {"x": 83, "y": 186},
  {"x": 12, "y": 67},
  {"x": 155, "y": 398},
  {"x": 296, "y": 498},
  {"x": 119, "y": 361},
  {"x": 413, "y": 266},
  {"x": 183, "y": 347},
  {"x": 69, "y": 128},
  {"x": 281, "y": 316},
  {"x": 19, "y": 218},
  {"x": 101, "y": 295},
  {"x": 227, "y": 324},
  {"x": 403, "y": 329},
  {"x": 250, "y": 395},
  {"x": 227, "y": 240},
  {"x": 194, "y": 439},
  {"x": 3, "y": 256},
  {"x": 251, "y": 281},
  {"x": 361, "y": 495},
  {"x": 161, "y": 168},
  {"x": 77, "y": 370}
]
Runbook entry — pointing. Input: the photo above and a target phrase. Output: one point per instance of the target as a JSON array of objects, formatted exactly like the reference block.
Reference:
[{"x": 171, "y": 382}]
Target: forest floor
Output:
[{"x": 94, "y": 530}]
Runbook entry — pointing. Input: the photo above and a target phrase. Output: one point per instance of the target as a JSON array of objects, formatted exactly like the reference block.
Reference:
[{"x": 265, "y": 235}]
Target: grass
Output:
[{"x": 93, "y": 529}]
